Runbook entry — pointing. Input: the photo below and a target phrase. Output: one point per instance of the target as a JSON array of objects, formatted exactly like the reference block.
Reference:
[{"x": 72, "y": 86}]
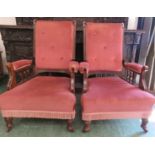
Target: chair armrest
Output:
[
  {"x": 21, "y": 64},
  {"x": 84, "y": 67},
  {"x": 137, "y": 68},
  {"x": 21, "y": 68},
  {"x": 74, "y": 66}
]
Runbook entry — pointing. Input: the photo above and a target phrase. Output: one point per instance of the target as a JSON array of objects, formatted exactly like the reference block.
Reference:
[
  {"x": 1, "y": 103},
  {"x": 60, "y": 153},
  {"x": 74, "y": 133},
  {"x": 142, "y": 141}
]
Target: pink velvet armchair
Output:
[
  {"x": 111, "y": 97},
  {"x": 48, "y": 97}
]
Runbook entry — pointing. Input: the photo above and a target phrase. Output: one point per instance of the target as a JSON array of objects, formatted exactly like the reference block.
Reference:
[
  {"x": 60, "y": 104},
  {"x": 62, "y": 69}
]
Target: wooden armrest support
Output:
[
  {"x": 142, "y": 82},
  {"x": 84, "y": 69},
  {"x": 21, "y": 67},
  {"x": 138, "y": 69},
  {"x": 73, "y": 68}
]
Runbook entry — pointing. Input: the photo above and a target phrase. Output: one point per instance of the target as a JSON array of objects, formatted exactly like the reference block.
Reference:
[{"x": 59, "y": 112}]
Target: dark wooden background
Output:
[
  {"x": 79, "y": 20},
  {"x": 18, "y": 40}
]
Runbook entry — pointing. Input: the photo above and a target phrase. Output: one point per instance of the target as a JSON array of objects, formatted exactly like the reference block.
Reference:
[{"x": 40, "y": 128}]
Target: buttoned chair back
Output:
[
  {"x": 54, "y": 44},
  {"x": 103, "y": 47}
]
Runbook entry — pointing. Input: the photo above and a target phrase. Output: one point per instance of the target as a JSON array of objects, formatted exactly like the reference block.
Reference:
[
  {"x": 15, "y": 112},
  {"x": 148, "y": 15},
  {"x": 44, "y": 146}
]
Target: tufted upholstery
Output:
[
  {"x": 46, "y": 94},
  {"x": 112, "y": 94},
  {"x": 54, "y": 44},
  {"x": 103, "y": 46}
]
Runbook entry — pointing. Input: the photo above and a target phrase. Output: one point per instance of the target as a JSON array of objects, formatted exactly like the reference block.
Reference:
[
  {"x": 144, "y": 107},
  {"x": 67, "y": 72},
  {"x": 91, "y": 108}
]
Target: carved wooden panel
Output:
[
  {"x": 18, "y": 42},
  {"x": 79, "y": 20}
]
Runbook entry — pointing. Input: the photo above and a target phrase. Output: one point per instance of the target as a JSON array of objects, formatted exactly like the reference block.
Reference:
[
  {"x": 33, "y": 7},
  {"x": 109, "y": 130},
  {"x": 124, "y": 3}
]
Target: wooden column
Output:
[
  {"x": 145, "y": 40},
  {"x": 1, "y": 65},
  {"x": 150, "y": 61}
]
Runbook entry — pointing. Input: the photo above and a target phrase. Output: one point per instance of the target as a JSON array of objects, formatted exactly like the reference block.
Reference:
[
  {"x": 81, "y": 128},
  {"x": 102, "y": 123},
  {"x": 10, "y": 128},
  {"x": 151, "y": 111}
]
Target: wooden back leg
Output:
[{"x": 144, "y": 124}]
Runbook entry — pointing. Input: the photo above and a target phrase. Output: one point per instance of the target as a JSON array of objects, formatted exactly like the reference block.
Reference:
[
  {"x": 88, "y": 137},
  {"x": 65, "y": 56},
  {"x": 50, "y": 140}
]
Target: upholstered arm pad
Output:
[
  {"x": 20, "y": 64},
  {"x": 73, "y": 66},
  {"x": 135, "y": 67},
  {"x": 84, "y": 67}
]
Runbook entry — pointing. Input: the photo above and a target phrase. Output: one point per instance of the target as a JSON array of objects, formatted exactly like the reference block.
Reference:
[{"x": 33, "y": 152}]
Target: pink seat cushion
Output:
[
  {"x": 112, "y": 94},
  {"x": 40, "y": 94}
]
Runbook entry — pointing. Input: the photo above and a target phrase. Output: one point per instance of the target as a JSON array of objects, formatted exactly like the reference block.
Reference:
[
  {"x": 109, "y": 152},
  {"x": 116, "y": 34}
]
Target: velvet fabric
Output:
[
  {"x": 17, "y": 65},
  {"x": 40, "y": 94},
  {"x": 134, "y": 67},
  {"x": 54, "y": 44},
  {"x": 104, "y": 46},
  {"x": 112, "y": 94}
]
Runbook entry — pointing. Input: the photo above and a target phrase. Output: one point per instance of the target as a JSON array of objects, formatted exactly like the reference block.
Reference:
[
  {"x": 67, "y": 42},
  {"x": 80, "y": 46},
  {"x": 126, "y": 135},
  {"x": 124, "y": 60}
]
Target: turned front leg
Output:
[
  {"x": 9, "y": 123},
  {"x": 70, "y": 125},
  {"x": 144, "y": 124},
  {"x": 87, "y": 126}
]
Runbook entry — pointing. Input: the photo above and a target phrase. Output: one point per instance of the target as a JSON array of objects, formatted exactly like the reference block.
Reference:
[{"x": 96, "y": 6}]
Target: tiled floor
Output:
[{"x": 57, "y": 128}]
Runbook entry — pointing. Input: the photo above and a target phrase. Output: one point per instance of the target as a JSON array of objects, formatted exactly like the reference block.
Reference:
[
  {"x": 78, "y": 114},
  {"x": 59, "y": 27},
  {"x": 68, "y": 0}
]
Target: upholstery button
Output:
[
  {"x": 95, "y": 59},
  {"x": 95, "y": 33},
  {"x": 113, "y": 59},
  {"x": 52, "y": 46},
  {"x": 43, "y": 58},
  {"x": 61, "y": 58}
]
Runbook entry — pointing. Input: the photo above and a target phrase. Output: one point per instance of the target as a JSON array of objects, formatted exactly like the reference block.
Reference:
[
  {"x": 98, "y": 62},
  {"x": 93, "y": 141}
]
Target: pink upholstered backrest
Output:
[
  {"x": 54, "y": 44},
  {"x": 104, "y": 46}
]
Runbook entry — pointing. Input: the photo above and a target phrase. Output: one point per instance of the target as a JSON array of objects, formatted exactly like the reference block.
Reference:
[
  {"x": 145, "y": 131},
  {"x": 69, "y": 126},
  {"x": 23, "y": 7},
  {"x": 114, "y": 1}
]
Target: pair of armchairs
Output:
[{"x": 53, "y": 97}]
